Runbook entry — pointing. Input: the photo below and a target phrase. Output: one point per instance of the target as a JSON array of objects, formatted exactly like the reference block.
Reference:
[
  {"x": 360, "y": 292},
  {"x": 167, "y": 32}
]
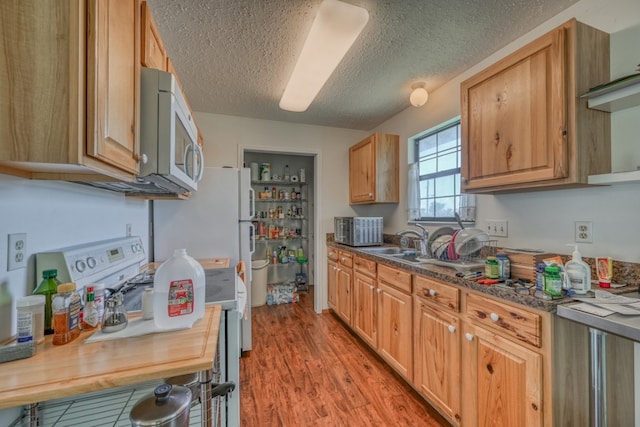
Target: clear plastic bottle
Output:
[
  {"x": 178, "y": 292},
  {"x": 90, "y": 319},
  {"x": 48, "y": 287},
  {"x": 505, "y": 265},
  {"x": 66, "y": 314},
  {"x": 579, "y": 272},
  {"x": 287, "y": 174}
]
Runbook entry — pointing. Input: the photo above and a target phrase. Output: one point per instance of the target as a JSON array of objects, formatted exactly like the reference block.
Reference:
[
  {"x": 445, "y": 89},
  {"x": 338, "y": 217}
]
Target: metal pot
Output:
[
  {"x": 190, "y": 381},
  {"x": 168, "y": 406}
]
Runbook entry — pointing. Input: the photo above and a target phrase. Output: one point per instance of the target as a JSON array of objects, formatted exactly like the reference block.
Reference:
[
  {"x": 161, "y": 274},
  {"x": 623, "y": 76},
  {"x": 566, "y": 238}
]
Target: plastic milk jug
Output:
[{"x": 178, "y": 292}]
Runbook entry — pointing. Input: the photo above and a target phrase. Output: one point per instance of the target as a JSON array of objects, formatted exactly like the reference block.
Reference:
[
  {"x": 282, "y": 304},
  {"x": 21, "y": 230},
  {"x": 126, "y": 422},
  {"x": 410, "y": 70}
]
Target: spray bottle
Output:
[{"x": 579, "y": 272}]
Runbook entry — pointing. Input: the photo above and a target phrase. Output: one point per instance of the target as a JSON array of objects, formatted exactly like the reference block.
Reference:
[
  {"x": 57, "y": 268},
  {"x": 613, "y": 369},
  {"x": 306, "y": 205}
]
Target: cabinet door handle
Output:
[
  {"x": 494, "y": 317},
  {"x": 370, "y": 194},
  {"x": 371, "y": 287},
  {"x": 379, "y": 290},
  {"x": 451, "y": 328},
  {"x": 432, "y": 292},
  {"x": 468, "y": 336}
]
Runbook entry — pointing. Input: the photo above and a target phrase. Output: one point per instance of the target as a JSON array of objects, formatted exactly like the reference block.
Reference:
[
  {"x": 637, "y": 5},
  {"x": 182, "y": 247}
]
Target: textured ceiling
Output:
[{"x": 234, "y": 56}]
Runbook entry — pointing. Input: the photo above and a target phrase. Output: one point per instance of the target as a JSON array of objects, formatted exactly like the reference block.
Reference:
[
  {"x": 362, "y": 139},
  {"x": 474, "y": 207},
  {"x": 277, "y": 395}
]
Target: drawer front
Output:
[
  {"x": 520, "y": 324},
  {"x": 346, "y": 259},
  {"x": 444, "y": 295},
  {"x": 399, "y": 279},
  {"x": 365, "y": 266},
  {"x": 332, "y": 254}
]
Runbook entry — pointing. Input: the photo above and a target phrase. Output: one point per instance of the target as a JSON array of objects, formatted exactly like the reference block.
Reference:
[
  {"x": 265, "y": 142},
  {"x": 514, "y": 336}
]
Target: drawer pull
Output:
[
  {"x": 494, "y": 317},
  {"x": 468, "y": 336},
  {"x": 451, "y": 328},
  {"x": 432, "y": 292}
]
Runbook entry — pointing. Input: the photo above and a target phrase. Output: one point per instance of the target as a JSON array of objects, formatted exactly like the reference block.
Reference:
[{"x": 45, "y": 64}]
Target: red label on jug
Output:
[{"x": 180, "y": 298}]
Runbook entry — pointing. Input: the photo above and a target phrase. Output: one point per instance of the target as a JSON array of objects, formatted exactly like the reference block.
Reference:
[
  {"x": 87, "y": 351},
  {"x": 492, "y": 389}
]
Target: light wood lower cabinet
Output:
[
  {"x": 478, "y": 359},
  {"x": 332, "y": 278},
  {"x": 395, "y": 324},
  {"x": 364, "y": 303},
  {"x": 332, "y": 284},
  {"x": 344, "y": 291},
  {"x": 436, "y": 348},
  {"x": 502, "y": 381}
]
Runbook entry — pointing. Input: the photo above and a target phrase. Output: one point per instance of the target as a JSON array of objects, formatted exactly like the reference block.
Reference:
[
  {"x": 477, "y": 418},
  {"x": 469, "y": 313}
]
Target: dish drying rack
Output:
[{"x": 473, "y": 261}]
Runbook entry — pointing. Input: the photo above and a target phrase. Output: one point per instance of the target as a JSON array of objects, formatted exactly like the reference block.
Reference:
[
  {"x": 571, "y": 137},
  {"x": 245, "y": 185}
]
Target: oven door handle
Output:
[{"x": 223, "y": 389}]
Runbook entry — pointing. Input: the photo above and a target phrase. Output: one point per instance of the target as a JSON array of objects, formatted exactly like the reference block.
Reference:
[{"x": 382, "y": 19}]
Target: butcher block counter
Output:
[{"x": 79, "y": 367}]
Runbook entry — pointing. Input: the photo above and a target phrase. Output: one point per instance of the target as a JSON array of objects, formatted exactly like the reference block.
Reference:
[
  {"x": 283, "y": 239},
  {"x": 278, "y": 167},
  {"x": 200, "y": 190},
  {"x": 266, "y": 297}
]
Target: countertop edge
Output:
[
  {"x": 448, "y": 275},
  {"x": 12, "y": 394}
]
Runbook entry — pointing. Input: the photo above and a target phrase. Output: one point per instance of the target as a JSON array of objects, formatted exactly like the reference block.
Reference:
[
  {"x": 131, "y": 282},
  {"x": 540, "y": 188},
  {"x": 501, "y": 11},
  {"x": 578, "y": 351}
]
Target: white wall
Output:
[
  {"x": 544, "y": 219},
  {"x": 55, "y": 215}
]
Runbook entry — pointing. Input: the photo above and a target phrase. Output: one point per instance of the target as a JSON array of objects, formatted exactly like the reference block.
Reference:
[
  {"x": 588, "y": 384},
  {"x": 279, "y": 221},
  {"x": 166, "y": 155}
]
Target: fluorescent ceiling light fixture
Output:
[
  {"x": 419, "y": 95},
  {"x": 336, "y": 26}
]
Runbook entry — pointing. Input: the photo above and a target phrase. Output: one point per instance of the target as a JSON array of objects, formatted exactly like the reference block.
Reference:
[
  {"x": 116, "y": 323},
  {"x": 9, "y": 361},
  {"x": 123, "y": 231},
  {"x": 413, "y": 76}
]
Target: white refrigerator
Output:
[{"x": 215, "y": 222}]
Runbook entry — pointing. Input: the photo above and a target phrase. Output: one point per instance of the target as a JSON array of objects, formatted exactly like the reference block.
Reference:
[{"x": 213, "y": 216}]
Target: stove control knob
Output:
[
  {"x": 80, "y": 265},
  {"x": 91, "y": 262}
]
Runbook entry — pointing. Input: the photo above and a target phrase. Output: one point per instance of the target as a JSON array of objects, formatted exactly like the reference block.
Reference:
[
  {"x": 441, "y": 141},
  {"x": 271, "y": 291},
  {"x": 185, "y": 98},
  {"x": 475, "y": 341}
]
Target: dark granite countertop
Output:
[{"x": 449, "y": 275}]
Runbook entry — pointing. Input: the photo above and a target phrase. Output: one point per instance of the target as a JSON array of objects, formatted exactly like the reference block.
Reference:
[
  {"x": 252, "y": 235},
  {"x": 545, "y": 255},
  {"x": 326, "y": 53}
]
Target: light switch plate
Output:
[{"x": 498, "y": 227}]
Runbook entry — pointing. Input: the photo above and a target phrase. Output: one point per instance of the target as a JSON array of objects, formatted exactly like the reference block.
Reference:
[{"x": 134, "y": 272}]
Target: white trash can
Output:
[{"x": 259, "y": 273}]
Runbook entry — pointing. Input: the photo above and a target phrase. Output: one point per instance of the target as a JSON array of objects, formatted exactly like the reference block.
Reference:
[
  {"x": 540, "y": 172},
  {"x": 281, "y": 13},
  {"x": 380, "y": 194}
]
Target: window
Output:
[{"x": 437, "y": 156}]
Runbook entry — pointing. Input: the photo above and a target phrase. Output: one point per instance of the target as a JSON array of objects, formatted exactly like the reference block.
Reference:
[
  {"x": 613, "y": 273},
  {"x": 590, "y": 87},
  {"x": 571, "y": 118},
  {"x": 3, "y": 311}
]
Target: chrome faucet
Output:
[{"x": 423, "y": 236}]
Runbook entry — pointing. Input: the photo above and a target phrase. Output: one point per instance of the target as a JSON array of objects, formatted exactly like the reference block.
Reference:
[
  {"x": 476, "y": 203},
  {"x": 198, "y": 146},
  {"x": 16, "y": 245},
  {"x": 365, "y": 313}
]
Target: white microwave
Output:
[{"x": 170, "y": 155}]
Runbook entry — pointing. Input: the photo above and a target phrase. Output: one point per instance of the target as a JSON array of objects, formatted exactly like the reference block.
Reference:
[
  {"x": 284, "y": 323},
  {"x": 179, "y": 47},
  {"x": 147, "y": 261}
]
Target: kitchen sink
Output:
[
  {"x": 385, "y": 250},
  {"x": 411, "y": 256},
  {"x": 394, "y": 252}
]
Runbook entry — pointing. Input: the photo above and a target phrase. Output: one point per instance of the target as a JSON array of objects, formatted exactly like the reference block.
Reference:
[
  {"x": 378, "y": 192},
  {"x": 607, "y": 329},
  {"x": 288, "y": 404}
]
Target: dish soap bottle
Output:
[
  {"x": 178, "y": 292},
  {"x": 579, "y": 272}
]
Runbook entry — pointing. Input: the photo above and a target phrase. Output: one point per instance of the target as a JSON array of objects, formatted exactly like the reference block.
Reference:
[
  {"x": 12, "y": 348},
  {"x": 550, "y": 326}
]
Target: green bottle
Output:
[
  {"x": 48, "y": 287},
  {"x": 552, "y": 281}
]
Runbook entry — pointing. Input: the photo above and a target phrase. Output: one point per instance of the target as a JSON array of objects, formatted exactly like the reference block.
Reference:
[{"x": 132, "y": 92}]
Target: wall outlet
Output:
[
  {"x": 584, "y": 232},
  {"x": 17, "y": 251},
  {"x": 498, "y": 227}
]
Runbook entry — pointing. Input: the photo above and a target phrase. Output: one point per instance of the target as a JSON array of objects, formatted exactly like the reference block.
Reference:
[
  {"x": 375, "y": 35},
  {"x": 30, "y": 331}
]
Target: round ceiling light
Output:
[{"x": 419, "y": 95}]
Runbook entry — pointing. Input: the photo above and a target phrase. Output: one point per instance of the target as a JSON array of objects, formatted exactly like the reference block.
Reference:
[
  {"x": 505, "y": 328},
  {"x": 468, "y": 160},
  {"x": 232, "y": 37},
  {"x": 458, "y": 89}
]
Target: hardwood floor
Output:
[{"x": 307, "y": 369}]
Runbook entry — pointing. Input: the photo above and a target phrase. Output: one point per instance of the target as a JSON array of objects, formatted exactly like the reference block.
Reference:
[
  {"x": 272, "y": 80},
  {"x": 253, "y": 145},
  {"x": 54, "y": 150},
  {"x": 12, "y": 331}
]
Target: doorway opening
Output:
[{"x": 285, "y": 185}]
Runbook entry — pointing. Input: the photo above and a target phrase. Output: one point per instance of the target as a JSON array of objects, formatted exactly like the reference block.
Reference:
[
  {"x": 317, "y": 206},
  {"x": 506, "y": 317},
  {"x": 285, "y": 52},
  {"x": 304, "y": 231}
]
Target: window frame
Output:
[{"x": 415, "y": 144}]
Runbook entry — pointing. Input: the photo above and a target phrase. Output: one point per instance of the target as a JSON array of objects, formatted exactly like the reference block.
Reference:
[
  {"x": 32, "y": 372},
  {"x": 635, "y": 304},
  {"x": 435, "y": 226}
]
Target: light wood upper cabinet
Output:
[
  {"x": 523, "y": 124},
  {"x": 113, "y": 83},
  {"x": 74, "y": 114},
  {"x": 374, "y": 170},
  {"x": 153, "y": 53}
]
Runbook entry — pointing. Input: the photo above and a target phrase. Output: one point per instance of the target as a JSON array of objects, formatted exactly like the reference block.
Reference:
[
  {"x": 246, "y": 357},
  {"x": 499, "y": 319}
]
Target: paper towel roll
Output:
[{"x": 255, "y": 171}]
